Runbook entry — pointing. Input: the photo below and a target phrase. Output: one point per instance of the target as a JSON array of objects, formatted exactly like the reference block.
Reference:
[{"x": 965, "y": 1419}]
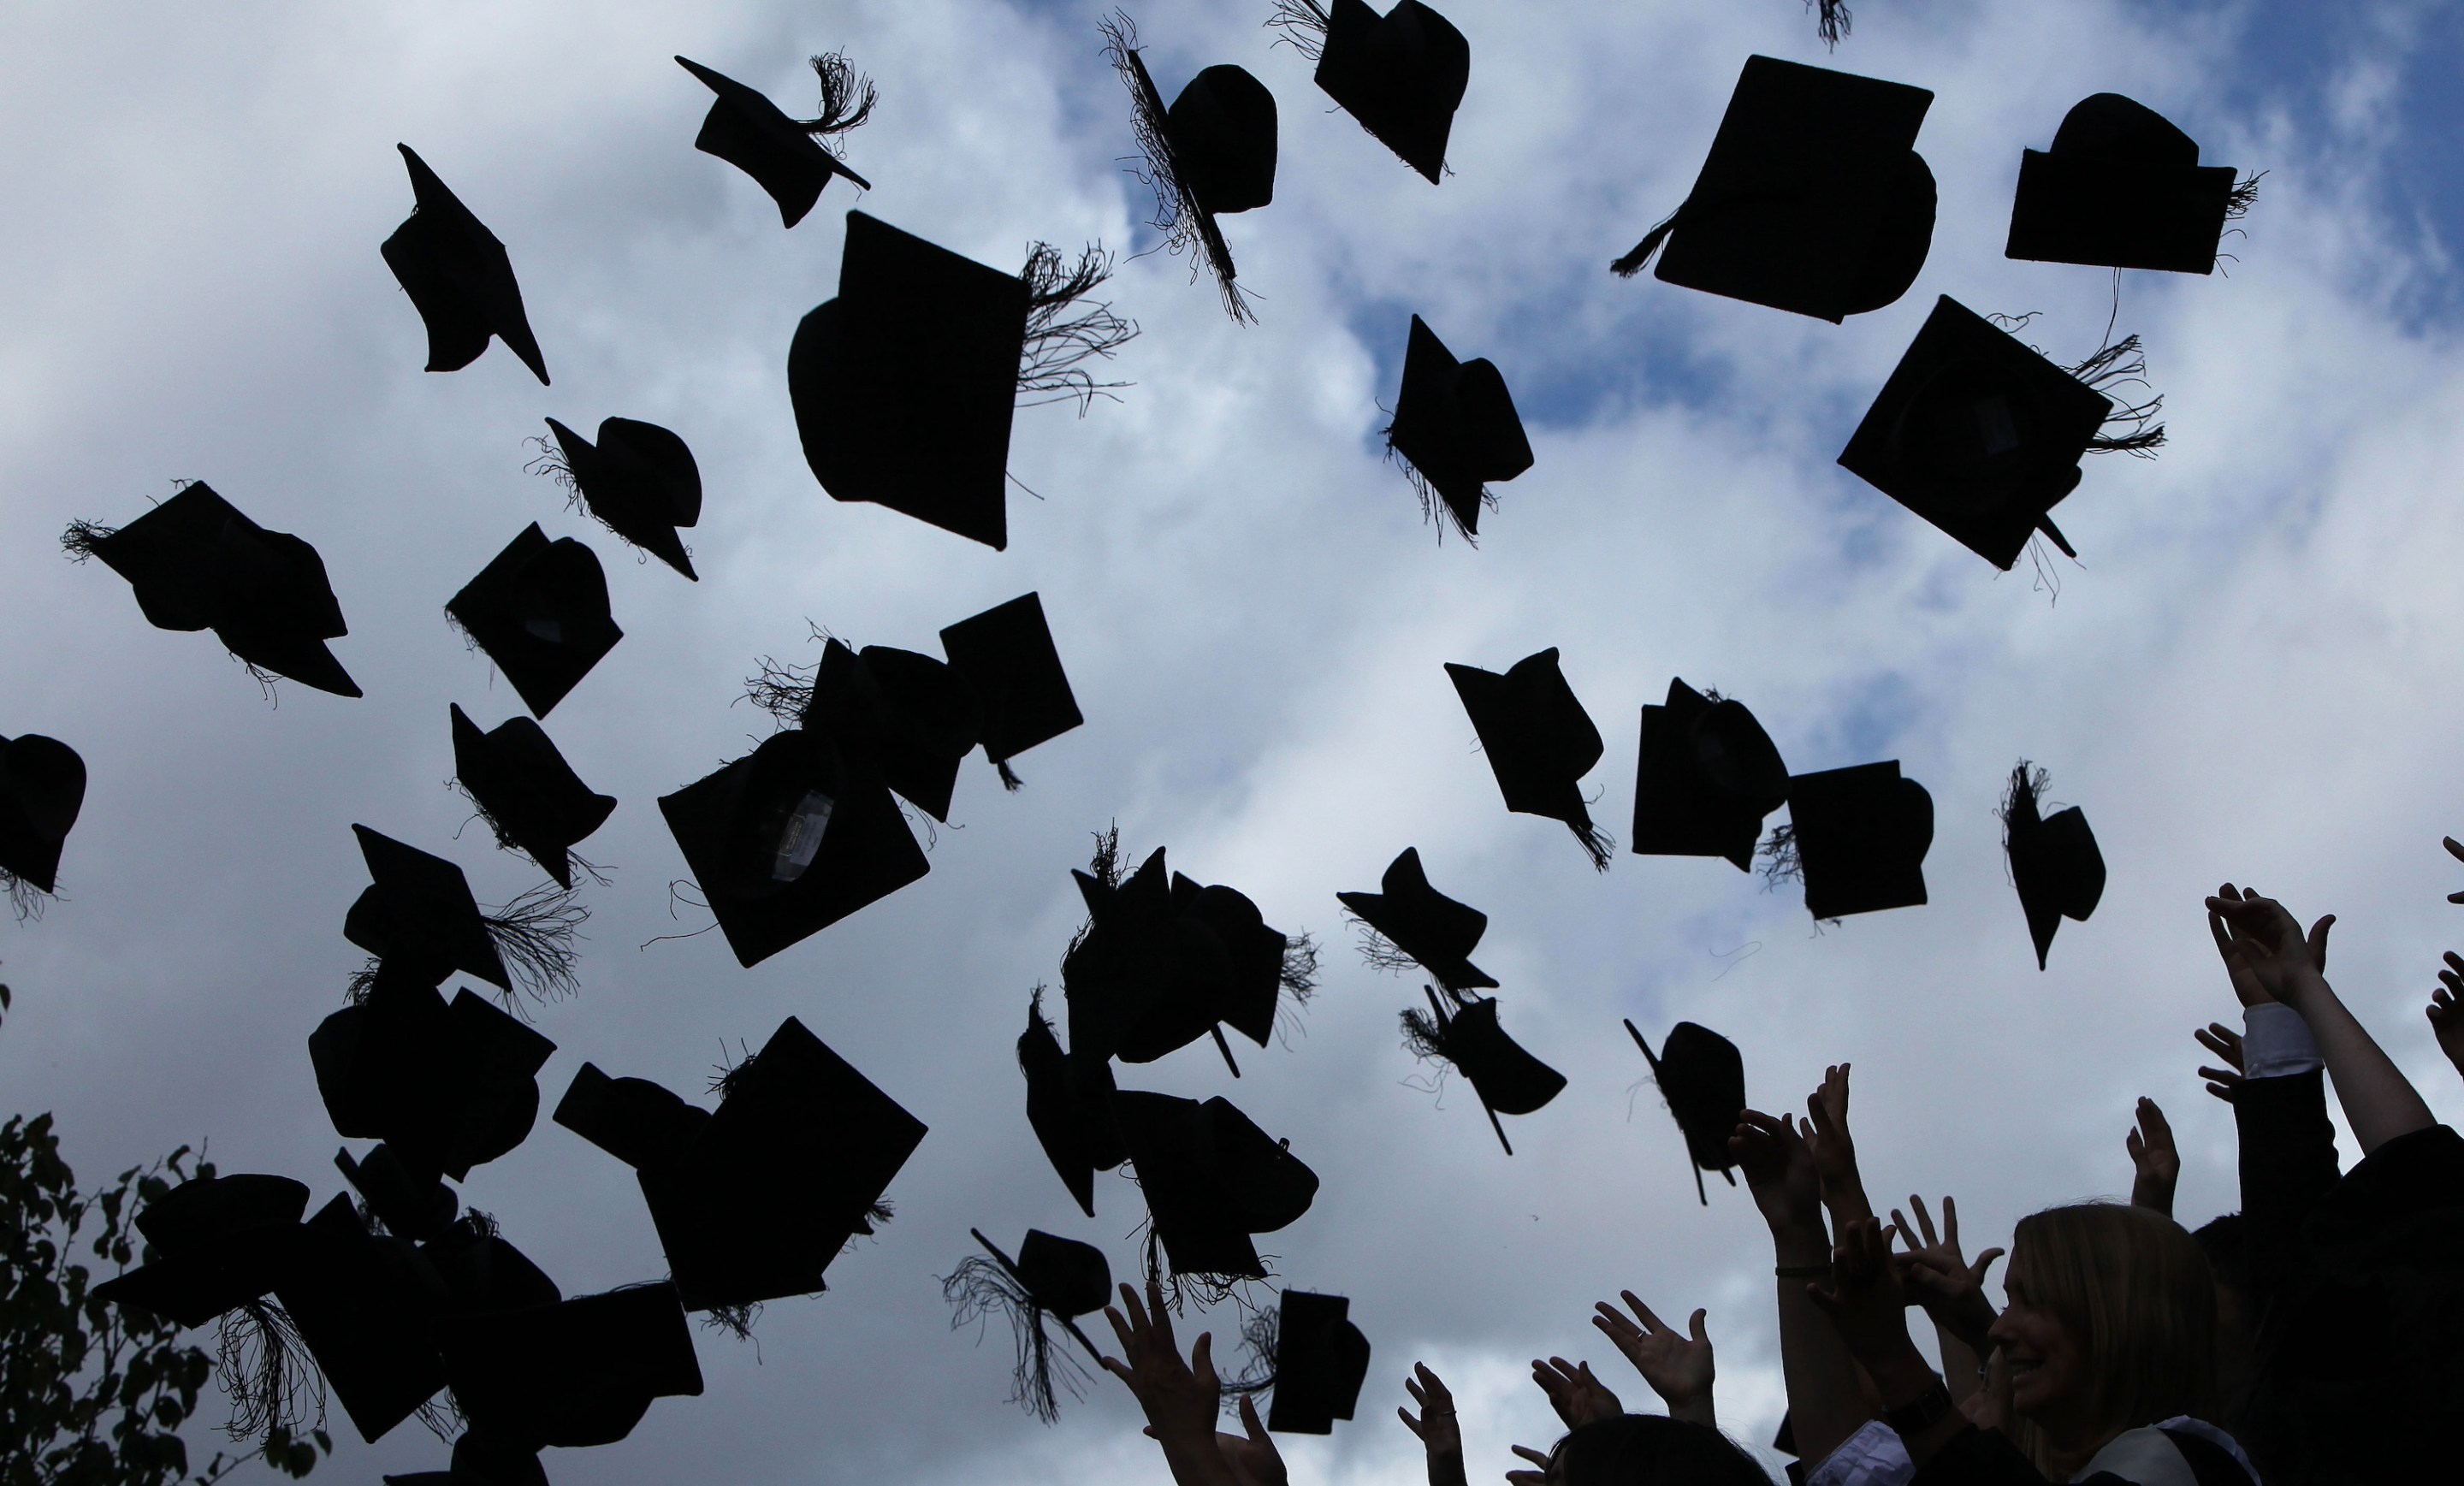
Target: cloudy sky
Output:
[{"x": 2249, "y": 675}]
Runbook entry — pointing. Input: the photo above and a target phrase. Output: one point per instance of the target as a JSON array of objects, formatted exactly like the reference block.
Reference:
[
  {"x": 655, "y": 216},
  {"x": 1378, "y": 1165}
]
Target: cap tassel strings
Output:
[
  {"x": 1376, "y": 950},
  {"x": 1184, "y": 228},
  {"x": 83, "y": 537},
  {"x": 265, "y": 1370},
  {"x": 1434, "y": 505},
  {"x": 1833, "y": 22},
  {"x": 979, "y": 1288},
  {"x": 2122, "y": 364},
  {"x": 534, "y": 933},
  {"x": 1260, "y": 1339},
  {"x": 848, "y": 97},
  {"x": 1632, "y": 263},
  {"x": 2242, "y": 198},
  {"x": 1009, "y": 778},
  {"x": 1059, "y": 343},
  {"x": 1781, "y": 861},
  {"x": 1303, "y": 26},
  {"x": 1598, "y": 845},
  {"x": 25, "y": 899}
]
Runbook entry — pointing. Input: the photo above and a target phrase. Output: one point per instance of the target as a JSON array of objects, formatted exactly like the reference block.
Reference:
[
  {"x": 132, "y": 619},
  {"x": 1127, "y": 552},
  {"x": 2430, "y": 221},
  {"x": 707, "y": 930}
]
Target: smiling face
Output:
[{"x": 2048, "y": 1361}]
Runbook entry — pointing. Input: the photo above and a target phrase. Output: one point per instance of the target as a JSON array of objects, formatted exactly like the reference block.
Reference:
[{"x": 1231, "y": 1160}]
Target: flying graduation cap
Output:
[
  {"x": 409, "y": 1200},
  {"x": 570, "y": 1373},
  {"x": 1812, "y": 200},
  {"x": 539, "y": 610},
  {"x": 215, "y": 1243},
  {"x": 1070, "y": 1107},
  {"x": 418, "y": 918},
  {"x": 196, "y": 563},
  {"x": 1703, "y": 1077},
  {"x": 1022, "y": 694},
  {"x": 526, "y": 792},
  {"x": 445, "y": 1085},
  {"x": 1705, "y": 778},
  {"x": 459, "y": 278},
  {"x": 784, "y": 156},
  {"x": 2055, "y": 863},
  {"x": 364, "y": 1305},
  {"x": 1857, "y": 838},
  {"x": 1052, "y": 1278},
  {"x": 1402, "y": 74},
  {"x": 1212, "y": 1180},
  {"x": 1420, "y": 925},
  {"x": 42, "y": 788},
  {"x": 639, "y": 480},
  {"x": 1463, "y": 1030},
  {"x": 2123, "y": 188},
  {"x": 1210, "y": 154},
  {"x": 1456, "y": 429},
  {"x": 1321, "y": 1359},
  {"x": 1539, "y": 741},
  {"x": 912, "y": 716}
]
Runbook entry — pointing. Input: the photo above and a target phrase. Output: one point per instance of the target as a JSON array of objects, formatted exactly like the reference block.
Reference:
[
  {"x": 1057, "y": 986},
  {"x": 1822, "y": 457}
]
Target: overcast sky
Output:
[{"x": 2249, "y": 675}]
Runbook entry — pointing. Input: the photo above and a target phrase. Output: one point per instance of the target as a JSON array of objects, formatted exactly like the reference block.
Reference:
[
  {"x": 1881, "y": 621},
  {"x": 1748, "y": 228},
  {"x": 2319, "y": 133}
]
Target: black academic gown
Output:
[{"x": 1982, "y": 1457}]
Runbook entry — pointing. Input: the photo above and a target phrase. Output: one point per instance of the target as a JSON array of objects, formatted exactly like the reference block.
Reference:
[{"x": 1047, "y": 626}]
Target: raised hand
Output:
[
  {"x": 1679, "y": 1368},
  {"x": 1252, "y": 1455},
  {"x": 1779, "y": 1173},
  {"x": 1938, "y": 1276},
  {"x": 1539, "y": 1477},
  {"x": 2454, "y": 849},
  {"x": 2226, "y": 1043},
  {"x": 1439, "y": 1435},
  {"x": 1834, "y": 1152},
  {"x": 2245, "y": 982},
  {"x": 2447, "y": 1005},
  {"x": 1180, "y": 1399},
  {"x": 1864, "y": 1297},
  {"x": 1578, "y": 1397},
  {"x": 2285, "y": 962},
  {"x": 2155, "y": 1162}
]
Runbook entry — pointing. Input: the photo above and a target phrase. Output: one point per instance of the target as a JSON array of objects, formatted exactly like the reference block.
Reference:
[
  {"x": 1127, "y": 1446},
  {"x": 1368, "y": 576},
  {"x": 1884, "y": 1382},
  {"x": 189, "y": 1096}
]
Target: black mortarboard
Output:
[
  {"x": 196, "y": 563},
  {"x": 1212, "y": 1179},
  {"x": 1977, "y": 434},
  {"x": 1455, "y": 424},
  {"x": 748, "y": 131},
  {"x": 912, "y": 716},
  {"x": 1860, "y": 836},
  {"x": 576, "y": 1373},
  {"x": 1321, "y": 1360},
  {"x": 364, "y": 1303},
  {"x": 1055, "y": 1277},
  {"x": 415, "y": 1204},
  {"x": 639, "y": 480},
  {"x": 42, "y": 788},
  {"x": 1703, "y": 1077},
  {"x": 1463, "y": 1030},
  {"x": 459, "y": 278},
  {"x": 530, "y": 796},
  {"x": 2054, "y": 863},
  {"x": 1007, "y": 653},
  {"x": 539, "y": 609},
  {"x": 1212, "y": 152},
  {"x": 446, "y": 1087},
  {"x": 215, "y": 1242},
  {"x": 1432, "y": 929},
  {"x": 1402, "y": 74},
  {"x": 481, "y": 1272},
  {"x": 789, "y": 839},
  {"x": 1706, "y": 776},
  {"x": 1070, "y": 1107},
  {"x": 481, "y": 1461},
  {"x": 1539, "y": 741},
  {"x": 417, "y": 913},
  {"x": 904, "y": 385},
  {"x": 2124, "y": 189},
  {"x": 1812, "y": 198}
]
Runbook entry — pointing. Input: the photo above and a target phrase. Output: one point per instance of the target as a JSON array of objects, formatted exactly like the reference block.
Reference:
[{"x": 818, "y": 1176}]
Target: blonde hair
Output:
[{"x": 2133, "y": 1288}]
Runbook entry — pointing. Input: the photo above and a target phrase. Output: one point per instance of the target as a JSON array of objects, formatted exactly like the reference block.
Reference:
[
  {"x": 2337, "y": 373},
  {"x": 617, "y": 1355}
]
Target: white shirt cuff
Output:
[{"x": 2275, "y": 1042}]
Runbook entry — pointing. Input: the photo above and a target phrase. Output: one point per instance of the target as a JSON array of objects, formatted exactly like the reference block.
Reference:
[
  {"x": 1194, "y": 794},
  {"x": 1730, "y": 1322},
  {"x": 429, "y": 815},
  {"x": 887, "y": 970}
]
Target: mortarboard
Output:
[
  {"x": 912, "y": 716},
  {"x": 905, "y": 384},
  {"x": 1402, "y": 74},
  {"x": 1539, "y": 741},
  {"x": 446, "y": 1087},
  {"x": 539, "y": 609},
  {"x": 1977, "y": 434},
  {"x": 482, "y": 1271},
  {"x": 1212, "y": 1179},
  {"x": 1706, "y": 776},
  {"x": 196, "y": 563},
  {"x": 42, "y": 788},
  {"x": 1059, "y": 1278},
  {"x": 1859, "y": 837},
  {"x": 575, "y": 1373},
  {"x": 364, "y": 1305},
  {"x": 1023, "y": 695},
  {"x": 1070, "y": 1107},
  {"x": 1321, "y": 1360},
  {"x": 481, "y": 1461},
  {"x": 1812, "y": 198},
  {"x": 1703, "y": 1077},
  {"x": 1456, "y": 426},
  {"x": 415, "y": 1204},
  {"x": 215, "y": 1243},
  {"x": 459, "y": 278},
  {"x": 2054, "y": 863},
  {"x": 529, "y": 795},
  {"x": 1211, "y": 153},
  {"x": 418, "y": 917},
  {"x": 639, "y": 480},
  {"x": 1421, "y": 923},
  {"x": 2121, "y": 188},
  {"x": 784, "y": 156},
  {"x": 1463, "y": 1030}
]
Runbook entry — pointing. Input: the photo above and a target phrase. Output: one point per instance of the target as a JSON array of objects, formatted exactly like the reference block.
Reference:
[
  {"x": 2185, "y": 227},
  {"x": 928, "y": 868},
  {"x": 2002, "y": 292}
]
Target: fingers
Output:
[
  {"x": 1984, "y": 1262},
  {"x": 1924, "y": 1219},
  {"x": 1157, "y": 1320},
  {"x": 1642, "y": 1312},
  {"x": 1949, "y": 1222},
  {"x": 2151, "y": 1119},
  {"x": 2319, "y": 942},
  {"x": 1251, "y": 1423},
  {"x": 1201, "y": 1361},
  {"x": 1696, "y": 1326},
  {"x": 1412, "y": 1424},
  {"x": 2130, "y": 1143},
  {"x": 1435, "y": 1386},
  {"x": 1536, "y": 1457},
  {"x": 1121, "y": 1327},
  {"x": 2454, "y": 850}
]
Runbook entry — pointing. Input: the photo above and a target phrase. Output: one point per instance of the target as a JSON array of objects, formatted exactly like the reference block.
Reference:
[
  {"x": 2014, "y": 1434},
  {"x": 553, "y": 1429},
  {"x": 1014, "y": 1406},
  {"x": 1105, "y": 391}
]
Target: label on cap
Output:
[
  {"x": 1996, "y": 425},
  {"x": 803, "y": 837},
  {"x": 546, "y": 629}
]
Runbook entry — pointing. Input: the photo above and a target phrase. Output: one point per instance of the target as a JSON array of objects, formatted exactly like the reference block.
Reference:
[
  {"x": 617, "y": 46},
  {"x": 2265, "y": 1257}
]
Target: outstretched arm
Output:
[
  {"x": 1679, "y": 1368},
  {"x": 1435, "y": 1427},
  {"x": 1826, "y": 1403},
  {"x": 2447, "y": 1011},
  {"x": 1938, "y": 1276},
  {"x": 1834, "y": 1152},
  {"x": 1181, "y": 1400},
  {"x": 2156, "y": 1164}
]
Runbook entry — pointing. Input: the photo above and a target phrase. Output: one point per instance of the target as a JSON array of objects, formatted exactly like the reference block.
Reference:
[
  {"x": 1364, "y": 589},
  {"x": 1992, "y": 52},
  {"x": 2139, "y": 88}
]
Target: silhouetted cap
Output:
[
  {"x": 748, "y": 131},
  {"x": 1211, "y": 153},
  {"x": 539, "y": 609},
  {"x": 1436, "y": 931},
  {"x": 215, "y": 1243},
  {"x": 1703, "y": 1077},
  {"x": 1706, "y": 776},
  {"x": 1070, "y": 1107},
  {"x": 2124, "y": 189},
  {"x": 904, "y": 385},
  {"x": 459, "y": 278},
  {"x": 482, "y": 1271},
  {"x": 1456, "y": 424},
  {"x": 1860, "y": 836},
  {"x": 2054, "y": 863},
  {"x": 42, "y": 788},
  {"x": 418, "y": 915},
  {"x": 1023, "y": 695},
  {"x": 364, "y": 1305},
  {"x": 531, "y": 796},
  {"x": 1064, "y": 1276},
  {"x": 481, "y": 1461},
  {"x": 1977, "y": 434},
  {"x": 1812, "y": 199},
  {"x": 639, "y": 480},
  {"x": 912, "y": 716},
  {"x": 1402, "y": 74},
  {"x": 196, "y": 563},
  {"x": 577, "y": 1373},
  {"x": 1464, "y": 1031},
  {"x": 416, "y": 1204},
  {"x": 1212, "y": 1179},
  {"x": 446, "y": 1087},
  {"x": 1321, "y": 1360},
  {"x": 1539, "y": 741}
]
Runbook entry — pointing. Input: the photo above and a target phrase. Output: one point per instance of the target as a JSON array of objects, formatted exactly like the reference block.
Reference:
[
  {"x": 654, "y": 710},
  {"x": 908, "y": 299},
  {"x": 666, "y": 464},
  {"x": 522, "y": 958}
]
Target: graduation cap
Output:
[
  {"x": 2123, "y": 188},
  {"x": 529, "y": 796},
  {"x": 1859, "y": 838},
  {"x": 1463, "y": 1030},
  {"x": 196, "y": 563},
  {"x": 2054, "y": 863},
  {"x": 446, "y": 1087},
  {"x": 417, "y": 916},
  {"x": 904, "y": 385},
  {"x": 410, "y": 1200},
  {"x": 1703, "y": 1077},
  {"x": 482, "y": 1271},
  {"x": 785, "y": 156},
  {"x": 539, "y": 609},
  {"x": 639, "y": 480},
  {"x": 1055, "y": 1278},
  {"x": 1022, "y": 694},
  {"x": 1812, "y": 199},
  {"x": 1539, "y": 741},
  {"x": 1456, "y": 428},
  {"x": 481, "y": 1461},
  {"x": 364, "y": 1305},
  {"x": 1070, "y": 1107},
  {"x": 42, "y": 788},
  {"x": 214, "y": 1243},
  {"x": 1705, "y": 778},
  {"x": 1402, "y": 74},
  {"x": 1422, "y": 925},
  {"x": 575, "y": 1373},
  {"x": 458, "y": 278},
  {"x": 1212, "y": 1179},
  {"x": 1321, "y": 1360},
  {"x": 912, "y": 716},
  {"x": 1978, "y": 434},
  {"x": 1211, "y": 153}
]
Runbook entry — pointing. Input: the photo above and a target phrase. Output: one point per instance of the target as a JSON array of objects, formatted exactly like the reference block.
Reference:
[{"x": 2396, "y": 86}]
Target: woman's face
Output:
[{"x": 2048, "y": 1364}]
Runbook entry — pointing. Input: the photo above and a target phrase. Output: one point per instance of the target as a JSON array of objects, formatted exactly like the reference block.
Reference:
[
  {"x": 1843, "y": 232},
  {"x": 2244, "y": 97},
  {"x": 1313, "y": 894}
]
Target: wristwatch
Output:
[{"x": 1921, "y": 1414}]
